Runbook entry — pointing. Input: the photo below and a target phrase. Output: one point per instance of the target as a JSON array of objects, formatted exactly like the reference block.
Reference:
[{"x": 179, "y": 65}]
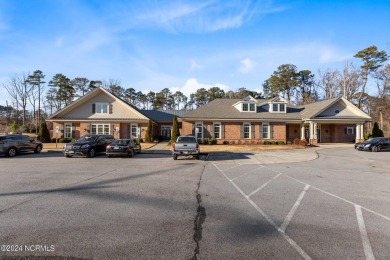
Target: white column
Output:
[
  {"x": 302, "y": 131},
  {"x": 315, "y": 131},
  {"x": 311, "y": 127},
  {"x": 358, "y": 129},
  {"x": 362, "y": 131}
]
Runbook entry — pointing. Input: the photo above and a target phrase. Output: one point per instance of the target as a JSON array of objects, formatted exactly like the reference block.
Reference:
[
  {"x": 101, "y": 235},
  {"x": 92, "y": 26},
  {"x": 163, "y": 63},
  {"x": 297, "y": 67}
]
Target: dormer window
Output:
[
  {"x": 252, "y": 107},
  {"x": 245, "y": 107},
  {"x": 278, "y": 105},
  {"x": 248, "y": 107},
  {"x": 248, "y": 104}
]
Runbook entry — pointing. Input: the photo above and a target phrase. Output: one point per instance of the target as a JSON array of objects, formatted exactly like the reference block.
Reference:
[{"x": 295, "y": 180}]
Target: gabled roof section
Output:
[
  {"x": 163, "y": 116},
  {"x": 278, "y": 100},
  {"x": 79, "y": 109},
  {"x": 247, "y": 99}
]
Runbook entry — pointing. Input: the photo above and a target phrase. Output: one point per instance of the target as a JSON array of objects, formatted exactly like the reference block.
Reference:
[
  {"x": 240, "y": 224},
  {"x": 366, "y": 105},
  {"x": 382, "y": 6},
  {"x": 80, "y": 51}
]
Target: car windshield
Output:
[
  {"x": 120, "y": 142},
  {"x": 374, "y": 139},
  {"x": 87, "y": 138}
]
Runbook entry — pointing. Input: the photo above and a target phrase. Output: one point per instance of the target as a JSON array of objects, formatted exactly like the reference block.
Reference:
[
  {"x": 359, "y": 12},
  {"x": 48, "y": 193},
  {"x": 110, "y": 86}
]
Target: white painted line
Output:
[
  {"x": 335, "y": 196},
  {"x": 246, "y": 173},
  {"x": 363, "y": 232},
  {"x": 263, "y": 186},
  {"x": 269, "y": 220},
  {"x": 290, "y": 215}
]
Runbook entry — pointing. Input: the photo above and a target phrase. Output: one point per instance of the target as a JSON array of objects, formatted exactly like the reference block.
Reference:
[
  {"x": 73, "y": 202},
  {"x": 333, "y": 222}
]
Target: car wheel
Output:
[
  {"x": 131, "y": 153},
  {"x": 68, "y": 156},
  {"x": 197, "y": 157},
  {"x": 139, "y": 151},
  {"x": 38, "y": 149},
  {"x": 91, "y": 153},
  {"x": 109, "y": 156},
  {"x": 375, "y": 149},
  {"x": 175, "y": 157},
  {"x": 11, "y": 152}
]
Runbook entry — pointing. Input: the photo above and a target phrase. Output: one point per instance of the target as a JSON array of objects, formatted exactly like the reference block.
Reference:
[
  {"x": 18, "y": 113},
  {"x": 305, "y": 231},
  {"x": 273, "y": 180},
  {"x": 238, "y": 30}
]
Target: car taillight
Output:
[
  {"x": 173, "y": 146},
  {"x": 108, "y": 147},
  {"x": 197, "y": 146}
]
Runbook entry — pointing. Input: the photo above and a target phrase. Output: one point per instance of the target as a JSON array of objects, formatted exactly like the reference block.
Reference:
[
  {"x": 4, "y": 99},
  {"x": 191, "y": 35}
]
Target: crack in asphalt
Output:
[{"x": 199, "y": 219}]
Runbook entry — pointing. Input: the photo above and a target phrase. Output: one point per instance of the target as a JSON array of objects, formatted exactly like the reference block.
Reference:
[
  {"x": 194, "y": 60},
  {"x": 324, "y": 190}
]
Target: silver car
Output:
[{"x": 12, "y": 144}]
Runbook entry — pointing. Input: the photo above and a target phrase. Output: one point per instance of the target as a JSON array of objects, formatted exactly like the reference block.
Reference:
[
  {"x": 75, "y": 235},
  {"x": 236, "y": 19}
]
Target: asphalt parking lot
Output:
[{"x": 320, "y": 204}]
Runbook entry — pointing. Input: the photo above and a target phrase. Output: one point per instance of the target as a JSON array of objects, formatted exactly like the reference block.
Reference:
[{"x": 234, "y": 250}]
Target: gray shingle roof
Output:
[
  {"x": 310, "y": 110},
  {"x": 163, "y": 115}
]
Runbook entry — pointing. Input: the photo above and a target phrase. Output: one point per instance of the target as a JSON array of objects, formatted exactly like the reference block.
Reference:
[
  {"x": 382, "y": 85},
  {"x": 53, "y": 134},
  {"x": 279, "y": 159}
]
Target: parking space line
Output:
[
  {"x": 269, "y": 220},
  {"x": 290, "y": 215},
  {"x": 363, "y": 232},
  {"x": 261, "y": 166},
  {"x": 345, "y": 200},
  {"x": 263, "y": 186}
]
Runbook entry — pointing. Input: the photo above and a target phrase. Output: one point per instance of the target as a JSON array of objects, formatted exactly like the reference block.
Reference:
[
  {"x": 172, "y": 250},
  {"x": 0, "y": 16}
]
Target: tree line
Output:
[{"x": 299, "y": 87}]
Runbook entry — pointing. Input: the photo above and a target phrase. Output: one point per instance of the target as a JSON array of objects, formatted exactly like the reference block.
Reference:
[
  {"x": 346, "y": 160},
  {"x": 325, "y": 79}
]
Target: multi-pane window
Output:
[
  {"x": 252, "y": 107},
  {"x": 68, "y": 131},
  {"x": 247, "y": 130},
  {"x": 350, "y": 130},
  {"x": 102, "y": 108},
  {"x": 265, "y": 130},
  {"x": 245, "y": 107},
  {"x": 275, "y": 107},
  {"x": 217, "y": 130},
  {"x": 282, "y": 107},
  {"x": 100, "y": 129},
  {"x": 133, "y": 131},
  {"x": 199, "y": 130}
]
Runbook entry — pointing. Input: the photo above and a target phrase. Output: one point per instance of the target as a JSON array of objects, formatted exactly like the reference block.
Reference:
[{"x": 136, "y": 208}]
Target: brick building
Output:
[{"x": 250, "y": 120}]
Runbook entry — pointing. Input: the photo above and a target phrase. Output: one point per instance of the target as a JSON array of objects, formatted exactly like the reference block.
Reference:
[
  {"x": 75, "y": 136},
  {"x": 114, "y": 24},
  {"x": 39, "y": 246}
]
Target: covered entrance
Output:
[{"x": 166, "y": 132}]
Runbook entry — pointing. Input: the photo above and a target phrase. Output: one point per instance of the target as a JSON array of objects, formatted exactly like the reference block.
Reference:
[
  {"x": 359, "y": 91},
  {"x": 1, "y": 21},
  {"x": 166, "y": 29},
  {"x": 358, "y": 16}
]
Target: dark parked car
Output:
[
  {"x": 123, "y": 147},
  {"x": 12, "y": 144},
  {"x": 88, "y": 145},
  {"x": 374, "y": 144}
]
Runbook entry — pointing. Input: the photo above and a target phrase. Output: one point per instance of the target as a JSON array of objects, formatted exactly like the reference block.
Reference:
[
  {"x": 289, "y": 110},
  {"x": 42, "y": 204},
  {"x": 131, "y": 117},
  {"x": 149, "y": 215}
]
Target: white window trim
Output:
[
  {"x": 243, "y": 107},
  {"x": 352, "y": 129},
  {"x": 243, "y": 130},
  {"x": 71, "y": 129},
  {"x": 196, "y": 124},
  {"x": 254, "y": 107},
  {"x": 131, "y": 131},
  {"x": 268, "y": 130},
  {"x": 97, "y": 125},
  {"x": 102, "y": 104},
  {"x": 278, "y": 108},
  {"x": 220, "y": 129},
  {"x": 249, "y": 107}
]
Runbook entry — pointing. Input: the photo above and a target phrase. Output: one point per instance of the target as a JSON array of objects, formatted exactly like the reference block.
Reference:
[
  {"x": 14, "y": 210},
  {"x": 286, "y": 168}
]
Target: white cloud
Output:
[
  {"x": 247, "y": 65},
  {"x": 191, "y": 85},
  {"x": 194, "y": 65}
]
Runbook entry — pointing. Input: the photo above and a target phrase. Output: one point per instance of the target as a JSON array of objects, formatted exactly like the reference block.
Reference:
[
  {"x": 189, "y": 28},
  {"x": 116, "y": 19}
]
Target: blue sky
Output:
[{"x": 184, "y": 45}]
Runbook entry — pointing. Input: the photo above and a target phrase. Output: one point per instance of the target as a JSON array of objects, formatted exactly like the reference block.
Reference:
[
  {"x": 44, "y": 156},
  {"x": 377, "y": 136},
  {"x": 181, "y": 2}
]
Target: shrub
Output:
[
  {"x": 175, "y": 130},
  {"x": 297, "y": 141},
  {"x": 232, "y": 142},
  {"x": 65, "y": 140},
  {"x": 13, "y": 126},
  {"x": 289, "y": 142},
  {"x": 225, "y": 142},
  {"x": 303, "y": 142},
  {"x": 212, "y": 141},
  {"x": 280, "y": 142},
  {"x": 266, "y": 142}
]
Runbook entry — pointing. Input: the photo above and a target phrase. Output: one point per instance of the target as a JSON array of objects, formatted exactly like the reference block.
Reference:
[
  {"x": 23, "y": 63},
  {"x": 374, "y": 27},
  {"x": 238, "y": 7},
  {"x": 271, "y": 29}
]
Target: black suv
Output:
[
  {"x": 88, "y": 145},
  {"x": 12, "y": 144}
]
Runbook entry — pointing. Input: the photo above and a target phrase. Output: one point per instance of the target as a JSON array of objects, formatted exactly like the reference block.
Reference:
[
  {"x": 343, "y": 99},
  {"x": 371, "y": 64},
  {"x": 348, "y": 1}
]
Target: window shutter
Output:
[
  {"x": 241, "y": 131},
  {"x": 261, "y": 131},
  {"x": 128, "y": 131},
  {"x": 93, "y": 108},
  {"x": 252, "y": 131},
  {"x": 212, "y": 130},
  {"x": 345, "y": 131},
  {"x": 193, "y": 129},
  {"x": 222, "y": 130},
  {"x": 271, "y": 129},
  {"x": 110, "y": 107}
]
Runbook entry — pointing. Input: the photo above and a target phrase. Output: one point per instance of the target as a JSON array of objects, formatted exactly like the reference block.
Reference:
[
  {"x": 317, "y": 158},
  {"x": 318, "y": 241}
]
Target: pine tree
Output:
[
  {"x": 376, "y": 132},
  {"x": 43, "y": 133},
  {"x": 148, "y": 133},
  {"x": 175, "y": 130}
]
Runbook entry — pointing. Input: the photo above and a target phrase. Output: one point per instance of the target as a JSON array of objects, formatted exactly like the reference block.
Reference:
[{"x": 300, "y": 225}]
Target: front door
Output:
[{"x": 166, "y": 132}]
